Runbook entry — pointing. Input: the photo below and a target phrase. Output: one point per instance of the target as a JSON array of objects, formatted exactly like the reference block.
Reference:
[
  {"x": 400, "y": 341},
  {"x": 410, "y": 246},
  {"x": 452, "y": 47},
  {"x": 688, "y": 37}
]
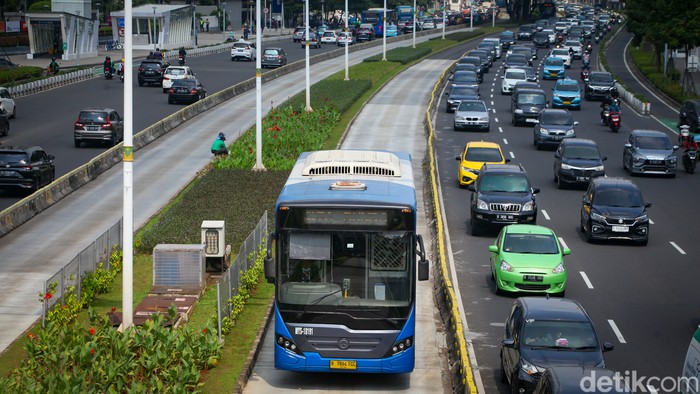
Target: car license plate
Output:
[
  {"x": 92, "y": 128},
  {"x": 149, "y": 72},
  {"x": 656, "y": 161},
  {"x": 567, "y": 102},
  {"x": 7, "y": 173},
  {"x": 533, "y": 278},
  {"x": 620, "y": 229},
  {"x": 504, "y": 217},
  {"x": 530, "y": 120},
  {"x": 343, "y": 364},
  {"x": 552, "y": 74},
  {"x": 583, "y": 178}
]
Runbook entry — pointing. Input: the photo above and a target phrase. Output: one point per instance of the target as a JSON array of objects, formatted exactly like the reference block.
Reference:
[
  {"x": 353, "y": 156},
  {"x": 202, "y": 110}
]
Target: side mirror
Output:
[
  {"x": 509, "y": 343},
  {"x": 458, "y": 158},
  {"x": 576, "y": 123},
  {"x": 586, "y": 201},
  {"x": 507, "y": 160},
  {"x": 535, "y": 190},
  {"x": 557, "y": 155},
  {"x": 51, "y": 157},
  {"x": 503, "y": 77},
  {"x": 566, "y": 251},
  {"x": 269, "y": 263},
  {"x": 471, "y": 187},
  {"x": 647, "y": 204},
  {"x": 423, "y": 264},
  {"x": 628, "y": 145},
  {"x": 493, "y": 248},
  {"x": 607, "y": 346},
  {"x": 675, "y": 147},
  {"x": 604, "y": 158}
]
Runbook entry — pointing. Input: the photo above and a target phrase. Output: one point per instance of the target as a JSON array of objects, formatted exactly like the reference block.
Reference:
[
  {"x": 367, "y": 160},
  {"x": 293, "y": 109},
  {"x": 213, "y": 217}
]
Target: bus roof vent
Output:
[{"x": 352, "y": 162}]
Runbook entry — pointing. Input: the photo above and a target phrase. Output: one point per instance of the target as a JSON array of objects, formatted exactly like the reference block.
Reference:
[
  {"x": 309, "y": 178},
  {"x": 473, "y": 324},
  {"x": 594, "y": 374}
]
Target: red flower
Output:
[
  {"x": 276, "y": 128},
  {"x": 31, "y": 336},
  {"x": 204, "y": 331},
  {"x": 274, "y": 136},
  {"x": 250, "y": 150},
  {"x": 92, "y": 330},
  {"x": 92, "y": 351},
  {"x": 326, "y": 100},
  {"x": 48, "y": 296},
  {"x": 114, "y": 309}
]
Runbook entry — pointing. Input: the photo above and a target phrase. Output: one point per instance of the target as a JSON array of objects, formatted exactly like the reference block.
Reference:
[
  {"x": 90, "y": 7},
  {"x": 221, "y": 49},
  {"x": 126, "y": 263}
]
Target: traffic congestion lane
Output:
[
  {"x": 53, "y": 129},
  {"x": 614, "y": 290}
]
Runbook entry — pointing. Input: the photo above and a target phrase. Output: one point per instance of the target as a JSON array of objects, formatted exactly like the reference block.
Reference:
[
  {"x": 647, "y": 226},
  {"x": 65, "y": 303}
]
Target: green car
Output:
[{"x": 528, "y": 258}]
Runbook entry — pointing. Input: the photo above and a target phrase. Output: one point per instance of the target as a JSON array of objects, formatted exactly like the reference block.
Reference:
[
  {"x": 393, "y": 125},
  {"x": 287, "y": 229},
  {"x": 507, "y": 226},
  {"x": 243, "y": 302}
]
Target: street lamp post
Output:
[
  {"x": 223, "y": 28},
  {"x": 323, "y": 15},
  {"x": 384, "y": 32},
  {"x": 154, "y": 29},
  {"x": 347, "y": 43},
  {"x": 415, "y": 21}
]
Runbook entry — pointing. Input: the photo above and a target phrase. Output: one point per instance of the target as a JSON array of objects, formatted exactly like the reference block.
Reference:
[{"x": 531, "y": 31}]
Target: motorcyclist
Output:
[
  {"x": 605, "y": 106},
  {"x": 108, "y": 64},
  {"x": 182, "y": 53},
  {"x": 571, "y": 52},
  {"x": 586, "y": 59},
  {"x": 120, "y": 67},
  {"x": 589, "y": 46},
  {"x": 686, "y": 140},
  {"x": 53, "y": 66},
  {"x": 219, "y": 146}
]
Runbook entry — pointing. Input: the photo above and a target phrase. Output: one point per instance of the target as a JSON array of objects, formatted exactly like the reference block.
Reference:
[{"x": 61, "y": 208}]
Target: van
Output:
[
  {"x": 526, "y": 106},
  {"x": 691, "y": 366}
]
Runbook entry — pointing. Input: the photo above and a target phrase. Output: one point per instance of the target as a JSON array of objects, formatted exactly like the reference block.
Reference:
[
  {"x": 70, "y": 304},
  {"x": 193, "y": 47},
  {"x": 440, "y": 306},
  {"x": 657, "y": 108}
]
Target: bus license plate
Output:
[
  {"x": 343, "y": 364},
  {"x": 620, "y": 229}
]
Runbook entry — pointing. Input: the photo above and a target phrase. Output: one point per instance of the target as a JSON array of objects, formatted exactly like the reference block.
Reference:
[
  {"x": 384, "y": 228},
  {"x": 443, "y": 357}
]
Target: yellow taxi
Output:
[{"x": 474, "y": 155}]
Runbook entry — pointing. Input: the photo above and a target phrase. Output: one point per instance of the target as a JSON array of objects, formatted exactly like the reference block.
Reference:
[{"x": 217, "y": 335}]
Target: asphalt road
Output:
[
  {"x": 641, "y": 299},
  {"x": 46, "y": 119}
]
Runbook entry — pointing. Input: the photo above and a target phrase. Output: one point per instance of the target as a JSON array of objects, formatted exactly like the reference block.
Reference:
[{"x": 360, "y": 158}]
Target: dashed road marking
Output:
[
  {"x": 678, "y": 248},
  {"x": 505, "y": 141},
  {"x": 546, "y": 216},
  {"x": 616, "y": 330},
  {"x": 585, "y": 279},
  {"x": 500, "y": 129},
  {"x": 512, "y": 156},
  {"x": 563, "y": 243}
]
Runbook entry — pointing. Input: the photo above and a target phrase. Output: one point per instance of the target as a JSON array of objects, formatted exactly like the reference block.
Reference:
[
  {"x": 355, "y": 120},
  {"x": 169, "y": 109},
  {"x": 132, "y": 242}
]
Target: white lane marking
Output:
[
  {"x": 678, "y": 248},
  {"x": 546, "y": 216},
  {"x": 585, "y": 279},
  {"x": 616, "y": 331},
  {"x": 493, "y": 109},
  {"x": 497, "y": 324},
  {"x": 492, "y": 104},
  {"x": 505, "y": 141},
  {"x": 496, "y": 120},
  {"x": 624, "y": 58},
  {"x": 500, "y": 129},
  {"x": 512, "y": 156},
  {"x": 491, "y": 90}
]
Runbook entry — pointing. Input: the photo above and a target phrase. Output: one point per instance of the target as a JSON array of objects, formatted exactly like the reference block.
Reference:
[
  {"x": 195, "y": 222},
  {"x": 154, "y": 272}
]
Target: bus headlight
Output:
[
  {"x": 400, "y": 346},
  {"x": 288, "y": 344}
]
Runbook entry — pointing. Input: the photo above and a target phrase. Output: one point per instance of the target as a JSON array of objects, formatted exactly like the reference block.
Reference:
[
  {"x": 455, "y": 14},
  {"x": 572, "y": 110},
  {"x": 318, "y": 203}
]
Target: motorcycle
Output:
[
  {"x": 108, "y": 73},
  {"x": 181, "y": 60},
  {"x": 690, "y": 156},
  {"x": 589, "y": 48},
  {"x": 614, "y": 121},
  {"x": 606, "y": 116},
  {"x": 585, "y": 73},
  {"x": 597, "y": 38},
  {"x": 121, "y": 77}
]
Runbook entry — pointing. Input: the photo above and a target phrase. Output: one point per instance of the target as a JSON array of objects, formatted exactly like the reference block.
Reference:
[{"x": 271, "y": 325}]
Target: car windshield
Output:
[
  {"x": 13, "y": 158},
  {"x": 600, "y": 78},
  {"x": 271, "y": 52},
  {"x": 242, "y": 45},
  {"x": 186, "y": 83},
  {"x": 329, "y": 34},
  {"x": 582, "y": 153},
  {"x": 507, "y": 35},
  {"x": 647, "y": 142},
  {"x": 504, "y": 183},
  {"x": 558, "y": 334},
  {"x": 464, "y": 91},
  {"x": 522, "y": 51},
  {"x": 175, "y": 71},
  {"x": 531, "y": 98},
  {"x": 530, "y": 243},
  {"x": 560, "y": 52},
  {"x": 525, "y": 28},
  {"x": 618, "y": 198},
  {"x": 516, "y": 59},
  {"x": 541, "y": 36},
  {"x": 567, "y": 87},
  {"x": 97, "y": 117},
  {"x": 572, "y": 43},
  {"x": 465, "y": 77},
  {"x": 471, "y": 106},
  {"x": 516, "y": 74},
  {"x": 490, "y": 155},
  {"x": 556, "y": 118},
  {"x": 553, "y": 61}
]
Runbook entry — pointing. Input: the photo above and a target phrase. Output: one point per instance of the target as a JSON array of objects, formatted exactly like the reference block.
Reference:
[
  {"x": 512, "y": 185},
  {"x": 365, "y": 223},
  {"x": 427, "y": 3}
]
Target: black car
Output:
[
  {"x": 467, "y": 67},
  {"x": 364, "y": 35},
  {"x": 98, "y": 125},
  {"x": 314, "y": 40},
  {"x": 464, "y": 78},
  {"x": 520, "y": 85},
  {"x": 690, "y": 114},
  {"x": 476, "y": 61},
  {"x": 459, "y": 93},
  {"x": 525, "y": 32},
  {"x": 526, "y": 106},
  {"x": 488, "y": 47},
  {"x": 506, "y": 38},
  {"x": 541, "y": 39},
  {"x": 530, "y": 72},
  {"x": 580, "y": 380},
  {"x": 151, "y": 71},
  {"x": 25, "y": 167},
  {"x": 517, "y": 60},
  {"x": 298, "y": 33},
  {"x": 552, "y": 127},
  {"x": 187, "y": 90},
  {"x": 613, "y": 208},
  {"x": 502, "y": 195},
  {"x": 543, "y": 332},
  {"x": 273, "y": 57},
  {"x": 600, "y": 84},
  {"x": 4, "y": 123},
  {"x": 577, "y": 161},
  {"x": 484, "y": 56}
]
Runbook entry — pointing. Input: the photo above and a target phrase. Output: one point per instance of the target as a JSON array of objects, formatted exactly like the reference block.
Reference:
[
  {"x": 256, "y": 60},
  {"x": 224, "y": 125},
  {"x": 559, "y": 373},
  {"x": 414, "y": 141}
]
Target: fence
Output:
[
  {"x": 229, "y": 281},
  {"x": 85, "y": 262}
]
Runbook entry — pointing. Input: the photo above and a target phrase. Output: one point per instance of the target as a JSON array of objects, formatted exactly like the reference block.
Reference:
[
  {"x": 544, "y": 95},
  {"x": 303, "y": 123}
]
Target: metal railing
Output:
[
  {"x": 86, "y": 261},
  {"x": 227, "y": 287}
]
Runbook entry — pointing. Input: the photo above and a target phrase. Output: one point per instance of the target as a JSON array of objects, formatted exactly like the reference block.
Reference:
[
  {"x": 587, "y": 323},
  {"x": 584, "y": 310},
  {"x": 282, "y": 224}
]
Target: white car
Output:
[
  {"x": 175, "y": 72},
  {"x": 552, "y": 35},
  {"x": 511, "y": 77},
  {"x": 329, "y": 37},
  {"x": 243, "y": 50},
  {"x": 576, "y": 44},
  {"x": 562, "y": 53},
  {"x": 345, "y": 38},
  {"x": 499, "y": 49},
  {"x": 7, "y": 103}
]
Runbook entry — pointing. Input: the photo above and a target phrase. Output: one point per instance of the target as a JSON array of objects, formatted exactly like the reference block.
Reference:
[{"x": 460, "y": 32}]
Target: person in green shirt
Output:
[{"x": 219, "y": 146}]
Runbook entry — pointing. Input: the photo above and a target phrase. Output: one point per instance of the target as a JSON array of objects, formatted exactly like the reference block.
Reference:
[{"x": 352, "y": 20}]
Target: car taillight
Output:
[
  {"x": 140, "y": 69},
  {"x": 193, "y": 91},
  {"x": 171, "y": 91},
  {"x": 78, "y": 124},
  {"x": 107, "y": 125},
  {"x": 166, "y": 78}
]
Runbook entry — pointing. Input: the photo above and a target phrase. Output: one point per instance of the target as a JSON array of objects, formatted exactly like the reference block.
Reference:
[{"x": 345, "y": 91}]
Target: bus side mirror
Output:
[
  {"x": 423, "y": 264},
  {"x": 269, "y": 263}
]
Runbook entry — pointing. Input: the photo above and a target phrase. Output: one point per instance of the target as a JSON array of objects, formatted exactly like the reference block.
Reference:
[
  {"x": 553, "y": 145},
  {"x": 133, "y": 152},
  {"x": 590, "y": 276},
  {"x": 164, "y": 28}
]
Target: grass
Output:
[{"x": 239, "y": 197}]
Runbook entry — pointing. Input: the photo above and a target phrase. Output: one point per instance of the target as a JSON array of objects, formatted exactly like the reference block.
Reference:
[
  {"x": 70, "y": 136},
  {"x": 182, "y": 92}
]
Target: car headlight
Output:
[
  {"x": 555, "y": 95},
  {"x": 518, "y": 111},
  {"x": 599, "y": 168},
  {"x": 530, "y": 368},
  {"x": 671, "y": 159},
  {"x": 642, "y": 218},
  {"x": 484, "y": 119},
  {"x": 570, "y": 132},
  {"x": 597, "y": 216},
  {"x": 459, "y": 117},
  {"x": 480, "y": 204},
  {"x": 450, "y": 101},
  {"x": 558, "y": 269},
  {"x": 505, "y": 266},
  {"x": 528, "y": 206},
  {"x": 565, "y": 166},
  {"x": 638, "y": 159},
  {"x": 543, "y": 130}
]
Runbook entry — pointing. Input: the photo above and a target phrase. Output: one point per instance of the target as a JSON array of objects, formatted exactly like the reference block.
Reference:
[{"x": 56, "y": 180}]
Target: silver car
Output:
[
  {"x": 472, "y": 114},
  {"x": 649, "y": 152}
]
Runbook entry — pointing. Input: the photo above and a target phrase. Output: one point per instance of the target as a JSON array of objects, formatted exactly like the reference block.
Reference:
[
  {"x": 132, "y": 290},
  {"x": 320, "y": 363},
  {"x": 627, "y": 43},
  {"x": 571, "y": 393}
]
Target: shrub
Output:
[
  {"x": 402, "y": 55},
  {"x": 22, "y": 73}
]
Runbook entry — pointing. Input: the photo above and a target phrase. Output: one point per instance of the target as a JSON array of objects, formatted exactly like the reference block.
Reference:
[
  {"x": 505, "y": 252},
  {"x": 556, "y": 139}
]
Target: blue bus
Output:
[
  {"x": 345, "y": 263},
  {"x": 375, "y": 17}
]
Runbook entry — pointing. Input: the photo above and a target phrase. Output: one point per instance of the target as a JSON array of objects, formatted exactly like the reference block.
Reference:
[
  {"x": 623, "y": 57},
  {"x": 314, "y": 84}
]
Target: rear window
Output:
[
  {"x": 531, "y": 98},
  {"x": 175, "y": 71},
  {"x": 271, "y": 52},
  {"x": 13, "y": 158},
  {"x": 151, "y": 66},
  {"x": 184, "y": 83},
  {"x": 243, "y": 45},
  {"x": 483, "y": 154},
  {"x": 89, "y": 116},
  {"x": 515, "y": 74}
]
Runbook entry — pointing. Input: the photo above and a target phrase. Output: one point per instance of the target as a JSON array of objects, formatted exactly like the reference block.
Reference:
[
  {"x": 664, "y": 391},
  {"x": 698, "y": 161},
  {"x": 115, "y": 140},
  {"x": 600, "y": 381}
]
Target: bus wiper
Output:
[
  {"x": 316, "y": 301},
  {"x": 391, "y": 321}
]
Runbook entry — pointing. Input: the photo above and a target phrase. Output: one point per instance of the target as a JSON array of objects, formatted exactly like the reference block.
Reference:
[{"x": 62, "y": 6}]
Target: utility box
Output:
[
  {"x": 213, "y": 238},
  {"x": 179, "y": 266}
]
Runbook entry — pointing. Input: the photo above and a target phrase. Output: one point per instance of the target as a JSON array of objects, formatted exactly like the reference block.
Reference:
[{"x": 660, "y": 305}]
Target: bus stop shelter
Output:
[
  {"x": 157, "y": 26},
  {"x": 61, "y": 34}
]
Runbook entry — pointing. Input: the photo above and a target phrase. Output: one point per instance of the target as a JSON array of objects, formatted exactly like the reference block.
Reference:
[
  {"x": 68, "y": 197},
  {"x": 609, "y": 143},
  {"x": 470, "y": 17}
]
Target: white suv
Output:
[
  {"x": 243, "y": 50},
  {"x": 175, "y": 72},
  {"x": 511, "y": 77}
]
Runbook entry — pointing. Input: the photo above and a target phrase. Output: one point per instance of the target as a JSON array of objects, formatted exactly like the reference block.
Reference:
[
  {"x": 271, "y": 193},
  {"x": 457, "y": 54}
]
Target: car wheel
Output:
[
  {"x": 165, "y": 90},
  {"x": 643, "y": 242},
  {"x": 14, "y": 112},
  {"x": 561, "y": 294},
  {"x": 76, "y": 143},
  {"x": 514, "y": 384},
  {"x": 560, "y": 184},
  {"x": 232, "y": 59},
  {"x": 140, "y": 83},
  {"x": 170, "y": 100},
  {"x": 589, "y": 235},
  {"x": 113, "y": 141},
  {"x": 476, "y": 231}
]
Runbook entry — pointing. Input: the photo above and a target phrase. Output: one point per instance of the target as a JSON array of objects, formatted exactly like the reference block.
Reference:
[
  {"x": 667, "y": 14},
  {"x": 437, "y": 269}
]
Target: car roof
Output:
[
  {"x": 579, "y": 142},
  {"x": 649, "y": 133},
  {"x": 503, "y": 168},
  {"x": 275, "y": 48},
  {"x": 555, "y": 111},
  {"x": 530, "y": 90},
  {"x": 528, "y": 229},
  {"x": 543, "y": 308},
  {"x": 97, "y": 109},
  {"x": 613, "y": 182},
  {"x": 18, "y": 148},
  {"x": 566, "y": 81},
  {"x": 600, "y": 73},
  {"x": 482, "y": 144}
]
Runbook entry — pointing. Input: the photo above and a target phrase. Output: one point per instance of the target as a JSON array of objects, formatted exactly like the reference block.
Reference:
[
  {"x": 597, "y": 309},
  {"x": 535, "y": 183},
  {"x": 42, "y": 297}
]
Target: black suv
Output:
[
  {"x": 151, "y": 71},
  {"x": 544, "y": 332},
  {"x": 525, "y": 32},
  {"x": 98, "y": 124},
  {"x": 25, "y": 167},
  {"x": 502, "y": 195},
  {"x": 526, "y": 105},
  {"x": 613, "y": 208},
  {"x": 4, "y": 123},
  {"x": 690, "y": 113},
  {"x": 577, "y": 161},
  {"x": 599, "y": 85}
]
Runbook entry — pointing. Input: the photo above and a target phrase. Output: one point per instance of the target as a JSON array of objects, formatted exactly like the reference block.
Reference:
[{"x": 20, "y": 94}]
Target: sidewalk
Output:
[{"x": 203, "y": 39}]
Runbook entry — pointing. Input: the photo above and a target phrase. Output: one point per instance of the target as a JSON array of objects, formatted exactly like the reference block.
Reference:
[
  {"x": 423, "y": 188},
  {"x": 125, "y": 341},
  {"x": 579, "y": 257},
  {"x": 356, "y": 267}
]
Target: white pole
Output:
[
  {"x": 154, "y": 29},
  {"x": 223, "y": 28},
  {"x": 471, "y": 18},
  {"x": 347, "y": 35},
  {"x": 258, "y": 91},
  {"x": 493, "y": 17},
  {"x": 444, "y": 16},
  {"x": 415, "y": 21},
  {"x": 384, "y": 32},
  {"x": 128, "y": 157},
  {"x": 78, "y": 36},
  {"x": 282, "y": 5},
  {"x": 308, "y": 63},
  {"x": 194, "y": 24}
]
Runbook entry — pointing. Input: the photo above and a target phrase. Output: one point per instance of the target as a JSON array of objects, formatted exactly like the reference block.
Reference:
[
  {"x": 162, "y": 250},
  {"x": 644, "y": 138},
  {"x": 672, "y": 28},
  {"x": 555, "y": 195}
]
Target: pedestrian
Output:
[
  {"x": 207, "y": 25},
  {"x": 201, "y": 24},
  {"x": 219, "y": 145},
  {"x": 246, "y": 33}
]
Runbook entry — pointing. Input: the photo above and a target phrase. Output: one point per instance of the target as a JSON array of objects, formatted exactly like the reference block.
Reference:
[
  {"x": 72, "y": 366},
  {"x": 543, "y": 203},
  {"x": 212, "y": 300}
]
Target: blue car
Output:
[
  {"x": 392, "y": 31},
  {"x": 553, "y": 68},
  {"x": 566, "y": 94}
]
